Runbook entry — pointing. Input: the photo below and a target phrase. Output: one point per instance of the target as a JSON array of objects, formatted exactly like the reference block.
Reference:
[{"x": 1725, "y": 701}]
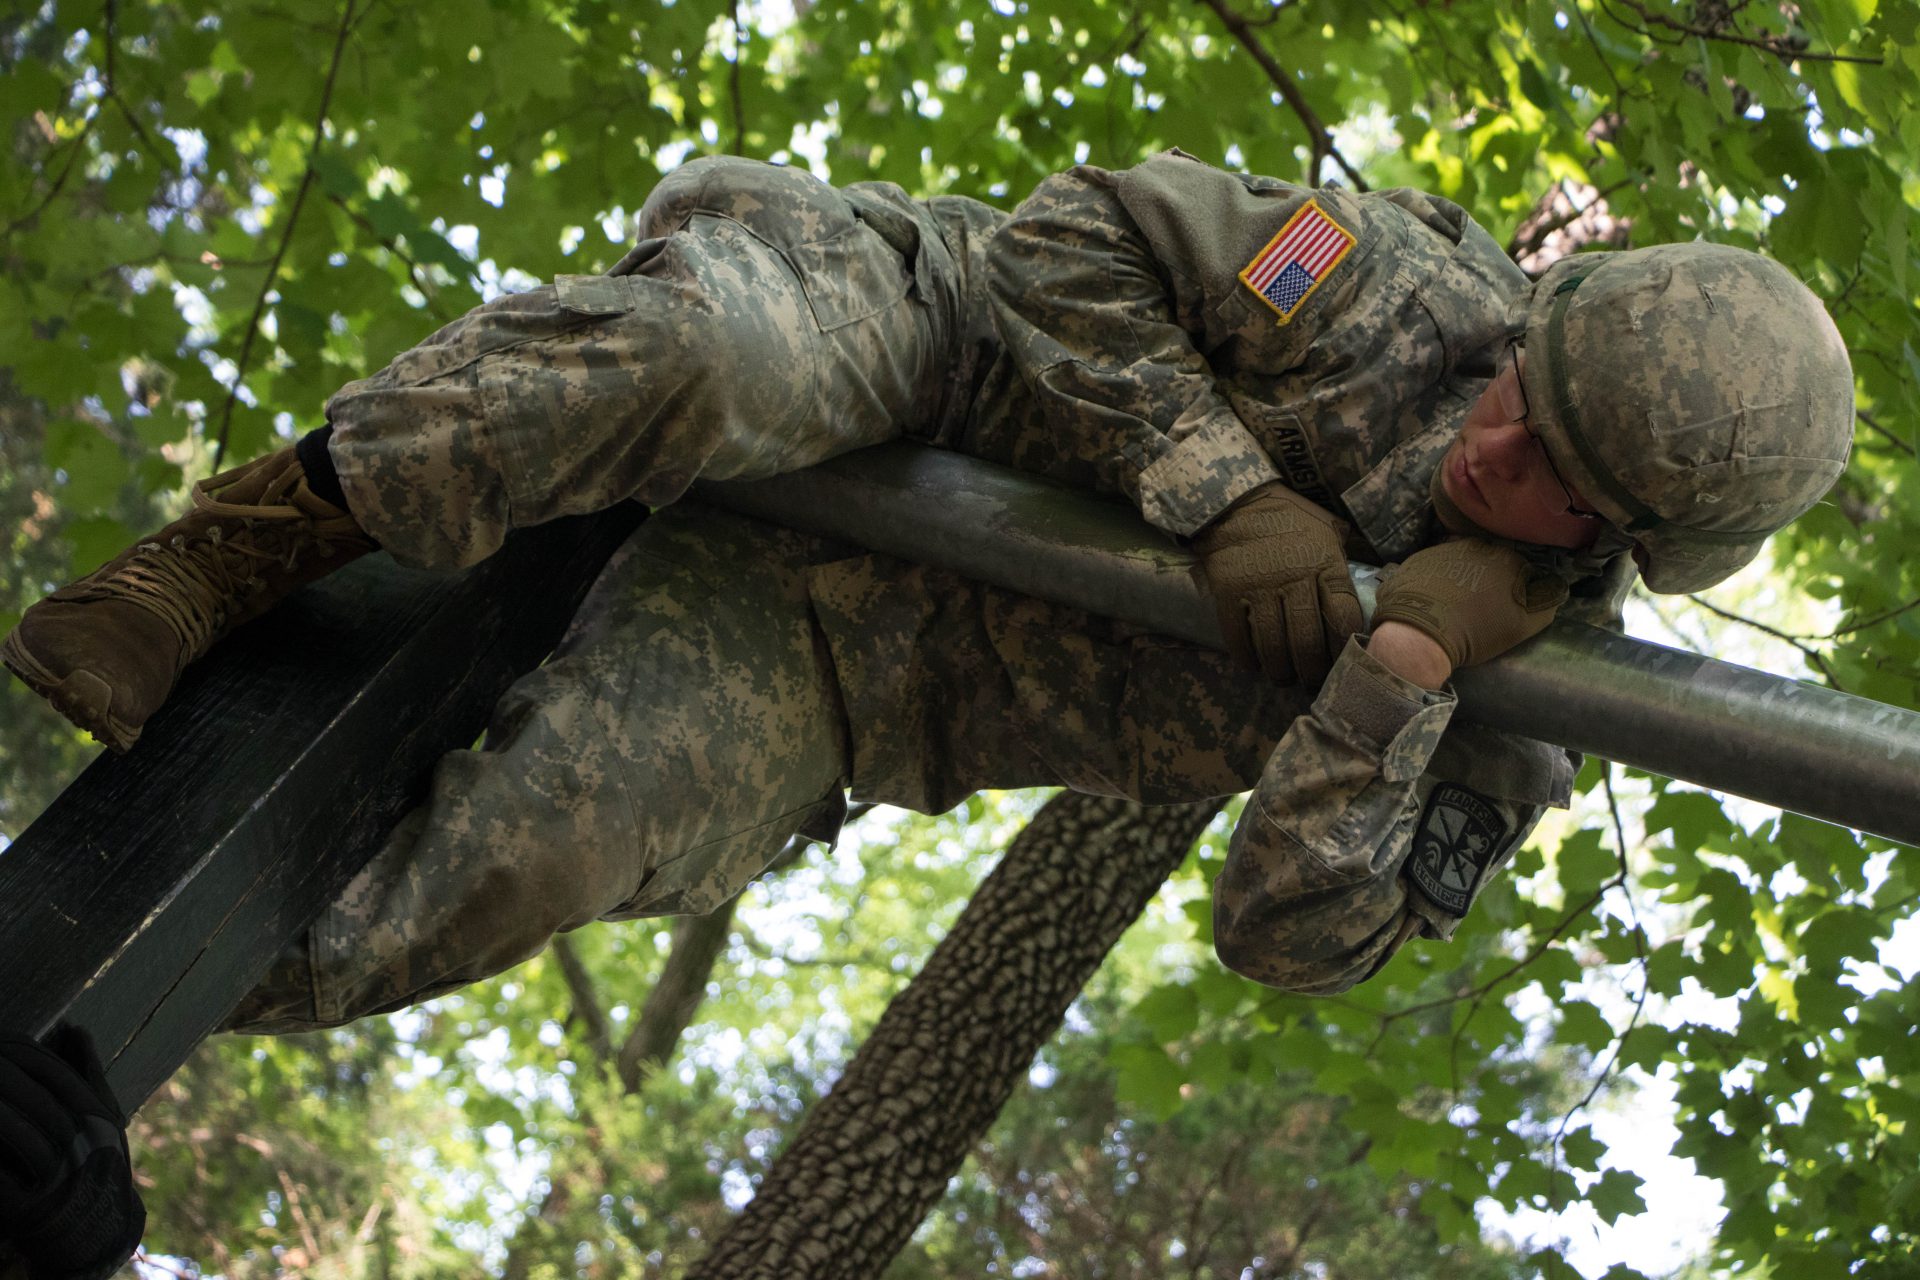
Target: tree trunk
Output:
[{"x": 877, "y": 1152}]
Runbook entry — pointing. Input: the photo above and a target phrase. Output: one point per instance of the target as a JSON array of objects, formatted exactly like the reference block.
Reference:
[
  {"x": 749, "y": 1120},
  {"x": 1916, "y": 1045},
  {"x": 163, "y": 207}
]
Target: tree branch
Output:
[
  {"x": 299, "y": 1212},
  {"x": 1479, "y": 994},
  {"x": 676, "y": 995},
  {"x": 1811, "y": 654},
  {"x": 1873, "y": 424},
  {"x": 733, "y": 83},
  {"x": 392, "y": 246},
  {"x": 663, "y": 1019},
  {"x": 1779, "y": 46},
  {"x": 1319, "y": 139},
  {"x": 840, "y": 960},
  {"x": 1874, "y": 621},
  {"x": 682, "y": 984},
  {"x": 872, "y": 1156},
  {"x": 74, "y": 151},
  {"x": 110, "y": 90},
  {"x": 286, "y": 236},
  {"x": 586, "y": 1001},
  {"x": 1619, "y": 1046},
  {"x": 1518, "y": 248}
]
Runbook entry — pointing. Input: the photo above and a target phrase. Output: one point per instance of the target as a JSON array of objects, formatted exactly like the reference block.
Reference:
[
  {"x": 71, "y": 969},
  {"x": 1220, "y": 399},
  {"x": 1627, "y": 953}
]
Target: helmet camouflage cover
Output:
[{"x": 1697, "y": 395}]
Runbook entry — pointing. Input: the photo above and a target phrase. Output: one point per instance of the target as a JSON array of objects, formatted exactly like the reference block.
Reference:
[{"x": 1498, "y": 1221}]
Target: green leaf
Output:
[
  {"x": 1304, "y": 1048},
  {"x": 203, "y": 87},
  {"x": 431, "y": 246},
  {"x": 1581, "y": 1149},
  {"x": 1169, "y": 1013},
  {"x": 1149, "y": 1080},
  {"x": 1666, "y": 967},
  {"x": 1535, "y": 86},
  {"x": 336, "y": 174},
  {"x": 1585, "y": 863},
  {"x": 1725, "y": 971},
  {"x": 1840, "y": 934},
  {"x": 1452, "y": 1221},
  {"x": 1647, "y": 1045},
  {"x": 94, "y": 466},
  {"x": 1694, "y": 817},
  {"x": 1616, "y": 1195},
  {"x": 1525, "y": 1181},
  {"x": 391, "y": 216},
  {"x": 155, "y": 474},
  {"x": 1621, "y": 943},
  {"x": 1582, "y": 1024},
  {"x": 95, "y": 541}
]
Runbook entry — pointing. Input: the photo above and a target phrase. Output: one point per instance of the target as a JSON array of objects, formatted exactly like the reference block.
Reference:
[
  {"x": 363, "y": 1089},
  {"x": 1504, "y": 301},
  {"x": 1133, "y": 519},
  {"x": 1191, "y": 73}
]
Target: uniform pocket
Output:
[
  {"x": 850, "y": 276},
  {"x": 546, "y": 313}
]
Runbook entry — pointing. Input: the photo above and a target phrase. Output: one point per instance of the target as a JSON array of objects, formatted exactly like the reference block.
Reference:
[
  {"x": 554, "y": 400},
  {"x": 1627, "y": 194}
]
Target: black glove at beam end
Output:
[{"x": 68, "y": 1205}]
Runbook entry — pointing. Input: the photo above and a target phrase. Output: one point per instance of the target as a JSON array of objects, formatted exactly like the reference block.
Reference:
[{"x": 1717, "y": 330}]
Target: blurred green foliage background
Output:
[{"x": 212, "y": 215}]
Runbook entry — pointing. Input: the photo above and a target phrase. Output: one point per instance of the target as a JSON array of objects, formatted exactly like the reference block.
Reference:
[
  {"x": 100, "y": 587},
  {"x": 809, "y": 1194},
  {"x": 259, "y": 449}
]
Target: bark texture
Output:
[{"x": 877, "y": 1152}]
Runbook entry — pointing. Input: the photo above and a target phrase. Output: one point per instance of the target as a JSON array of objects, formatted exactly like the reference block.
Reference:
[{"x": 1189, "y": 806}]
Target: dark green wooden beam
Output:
[{"x": 154, "y": 892}]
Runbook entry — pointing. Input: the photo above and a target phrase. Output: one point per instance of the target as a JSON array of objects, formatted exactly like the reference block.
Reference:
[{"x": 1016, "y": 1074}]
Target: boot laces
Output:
[{"x": 196, "y": 581}]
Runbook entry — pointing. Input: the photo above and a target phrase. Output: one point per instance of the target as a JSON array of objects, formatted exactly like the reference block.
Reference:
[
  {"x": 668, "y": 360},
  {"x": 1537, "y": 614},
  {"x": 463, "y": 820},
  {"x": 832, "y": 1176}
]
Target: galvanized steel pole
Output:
[{"x": 1801, "y": 747}]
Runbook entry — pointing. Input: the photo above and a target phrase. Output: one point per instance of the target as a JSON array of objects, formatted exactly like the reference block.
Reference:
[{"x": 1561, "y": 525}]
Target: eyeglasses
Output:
[{"x": 1514, "y": 404}]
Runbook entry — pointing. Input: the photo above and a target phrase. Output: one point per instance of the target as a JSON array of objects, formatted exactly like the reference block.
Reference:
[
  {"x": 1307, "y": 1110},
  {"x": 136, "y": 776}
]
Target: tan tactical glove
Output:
[
  {"x": 1474, "y": 598},
  {"x": 1277, "y": 569}
]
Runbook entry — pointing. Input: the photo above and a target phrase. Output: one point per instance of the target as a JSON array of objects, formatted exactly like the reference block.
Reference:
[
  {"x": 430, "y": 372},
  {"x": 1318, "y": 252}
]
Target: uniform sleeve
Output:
[
  {"x": 1372, "y": 823},
  {"x": 1093, "y": 322}
]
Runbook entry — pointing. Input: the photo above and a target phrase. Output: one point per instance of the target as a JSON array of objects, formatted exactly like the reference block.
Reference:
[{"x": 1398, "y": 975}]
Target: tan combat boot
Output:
[{"x": 107, "y": 650}]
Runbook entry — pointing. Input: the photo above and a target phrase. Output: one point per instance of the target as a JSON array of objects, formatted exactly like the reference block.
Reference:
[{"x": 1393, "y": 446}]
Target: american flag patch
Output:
[{"x": 1295, "y": 262}]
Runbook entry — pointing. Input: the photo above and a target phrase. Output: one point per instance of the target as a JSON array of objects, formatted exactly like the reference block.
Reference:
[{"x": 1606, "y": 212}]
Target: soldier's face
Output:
[{"x": 1498, "y": 473}]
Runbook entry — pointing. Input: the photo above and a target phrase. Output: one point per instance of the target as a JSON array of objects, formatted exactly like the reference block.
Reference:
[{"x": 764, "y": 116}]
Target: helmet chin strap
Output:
[{"x": 1569, "y": 564}]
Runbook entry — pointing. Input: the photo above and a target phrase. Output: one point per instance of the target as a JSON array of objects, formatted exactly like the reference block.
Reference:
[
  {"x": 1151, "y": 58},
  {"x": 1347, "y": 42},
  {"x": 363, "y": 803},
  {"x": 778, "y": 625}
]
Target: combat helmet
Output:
[{"x": 1697, "y": 395}]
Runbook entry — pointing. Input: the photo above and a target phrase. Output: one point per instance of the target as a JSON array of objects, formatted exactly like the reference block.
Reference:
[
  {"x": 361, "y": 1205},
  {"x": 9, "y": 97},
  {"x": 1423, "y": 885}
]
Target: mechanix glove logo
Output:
[{"x": 1461, "y": 834}]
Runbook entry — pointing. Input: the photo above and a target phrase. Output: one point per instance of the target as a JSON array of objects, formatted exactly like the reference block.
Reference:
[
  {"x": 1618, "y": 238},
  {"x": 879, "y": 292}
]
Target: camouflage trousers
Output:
[
  {"x": 763, "y": 322},
  {"x": 685, "y": 728},
  {"x": 723, "y": 684}
]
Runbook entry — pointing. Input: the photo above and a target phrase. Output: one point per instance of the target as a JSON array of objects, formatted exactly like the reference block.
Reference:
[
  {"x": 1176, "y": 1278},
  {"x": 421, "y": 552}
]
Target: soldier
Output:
[{"x": 1287, "y": 377}]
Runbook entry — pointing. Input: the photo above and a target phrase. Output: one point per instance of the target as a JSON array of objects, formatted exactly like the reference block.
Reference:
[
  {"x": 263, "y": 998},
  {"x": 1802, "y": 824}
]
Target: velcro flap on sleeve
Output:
[
  {"x": 1205, "y": 473},
  {"x": 1406, "y": 756},
  {"x": 594, "y": 295},
  {"x": 1379, "y": 711}
]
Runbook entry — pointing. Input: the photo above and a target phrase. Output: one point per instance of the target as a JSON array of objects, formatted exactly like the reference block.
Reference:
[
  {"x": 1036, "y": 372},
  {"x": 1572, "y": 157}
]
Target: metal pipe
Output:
[{"x": 1802, "y": 747}]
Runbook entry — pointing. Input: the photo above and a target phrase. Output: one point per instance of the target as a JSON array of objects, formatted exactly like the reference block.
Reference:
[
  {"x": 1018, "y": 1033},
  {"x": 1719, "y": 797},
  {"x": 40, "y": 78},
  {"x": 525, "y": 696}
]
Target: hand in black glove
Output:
[
  {"x": 1277, "y": 568},
  {"x": 67, "y": 1200}
]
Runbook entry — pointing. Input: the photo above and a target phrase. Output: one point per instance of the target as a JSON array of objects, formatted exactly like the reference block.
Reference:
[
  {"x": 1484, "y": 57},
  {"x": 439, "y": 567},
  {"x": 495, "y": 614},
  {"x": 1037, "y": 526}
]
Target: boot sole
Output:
[{"x": 82, "y": 697}]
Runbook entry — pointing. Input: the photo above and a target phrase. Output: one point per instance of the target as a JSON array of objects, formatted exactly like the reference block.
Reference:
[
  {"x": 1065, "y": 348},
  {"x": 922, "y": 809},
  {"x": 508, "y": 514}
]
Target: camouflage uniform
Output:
[{"x": 726, "y": 681}]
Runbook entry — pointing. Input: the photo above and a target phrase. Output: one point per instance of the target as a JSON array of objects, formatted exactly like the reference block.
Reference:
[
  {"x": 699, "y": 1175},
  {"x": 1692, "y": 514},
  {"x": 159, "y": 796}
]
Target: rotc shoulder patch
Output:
[
  {"x": 1460, "y": 835},
  {"x": 1293, "y": 264}
]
